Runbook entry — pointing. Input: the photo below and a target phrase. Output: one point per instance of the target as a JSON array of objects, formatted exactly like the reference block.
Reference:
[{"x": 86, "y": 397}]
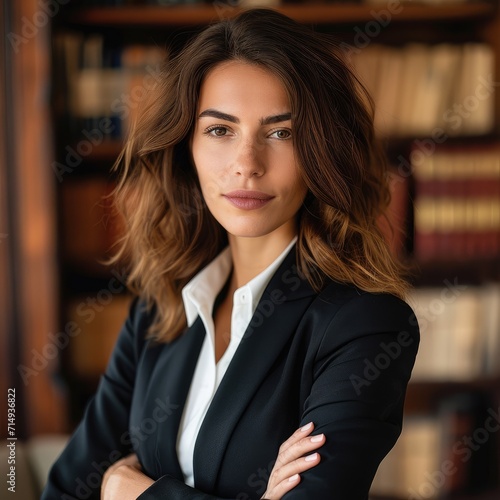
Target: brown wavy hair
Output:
[{"x": 170, "y": 233}]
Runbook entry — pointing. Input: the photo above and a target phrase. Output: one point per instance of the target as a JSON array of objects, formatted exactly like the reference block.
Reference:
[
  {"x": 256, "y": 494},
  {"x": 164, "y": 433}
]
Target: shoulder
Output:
[
  {"x": 141, "y": 315},
  {"x": 349, "y": 313},
  {"x": 134, "y": 333}
]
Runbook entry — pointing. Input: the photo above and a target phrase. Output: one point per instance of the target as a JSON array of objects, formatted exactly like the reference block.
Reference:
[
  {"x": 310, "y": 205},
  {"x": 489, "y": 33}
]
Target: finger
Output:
[
  {"x": 300, "y": 433},
  {"x": 289, "y": 476},
  {"x": 282, "y": 488},
  {"x": 300, "y": 448},
  {"x": 297, "y": 466},
  {"x": 292, "y": 461}
]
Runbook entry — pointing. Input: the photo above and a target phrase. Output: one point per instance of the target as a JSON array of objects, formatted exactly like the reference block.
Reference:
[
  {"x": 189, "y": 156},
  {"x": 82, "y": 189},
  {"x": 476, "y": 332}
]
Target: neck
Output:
[{"x": 252, "y": 255}]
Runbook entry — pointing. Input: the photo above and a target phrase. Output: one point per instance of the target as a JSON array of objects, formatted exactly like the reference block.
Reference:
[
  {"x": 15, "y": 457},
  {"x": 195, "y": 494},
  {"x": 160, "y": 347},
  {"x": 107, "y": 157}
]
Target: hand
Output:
[
  {"x": 291, "y": 461},
  {"x": 124, "y": 480}
]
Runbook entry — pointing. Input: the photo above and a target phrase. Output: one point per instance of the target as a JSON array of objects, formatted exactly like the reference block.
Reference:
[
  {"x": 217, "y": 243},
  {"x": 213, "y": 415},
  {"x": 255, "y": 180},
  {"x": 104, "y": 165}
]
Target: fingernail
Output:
[
  {"x": 293, "y": 478},
  {"x": 311, "y": 457},
  {"x": 317, "y": 439},
  {"x": 306, "y": 427}
]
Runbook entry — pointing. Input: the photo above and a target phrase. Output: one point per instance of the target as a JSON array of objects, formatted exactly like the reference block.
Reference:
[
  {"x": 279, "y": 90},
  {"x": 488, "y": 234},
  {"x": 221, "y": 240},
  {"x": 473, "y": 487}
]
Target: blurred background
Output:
[{"x": 73, "y": 76}]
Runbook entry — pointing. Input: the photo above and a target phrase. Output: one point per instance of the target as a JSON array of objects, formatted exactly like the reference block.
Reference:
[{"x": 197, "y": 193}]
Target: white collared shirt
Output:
[{"x": 199, "y": 297}]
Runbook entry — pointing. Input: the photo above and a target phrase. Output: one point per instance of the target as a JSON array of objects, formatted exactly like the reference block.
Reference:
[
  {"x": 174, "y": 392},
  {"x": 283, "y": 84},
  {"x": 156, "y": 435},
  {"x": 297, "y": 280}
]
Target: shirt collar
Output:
[
  {"x": 257, "y": 285},
  {"x": 200, "y": 292}
]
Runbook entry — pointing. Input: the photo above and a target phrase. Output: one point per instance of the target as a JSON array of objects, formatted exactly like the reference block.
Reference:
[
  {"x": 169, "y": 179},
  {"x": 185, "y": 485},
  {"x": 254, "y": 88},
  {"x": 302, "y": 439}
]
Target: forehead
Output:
[{"x": 240, "y": 84}]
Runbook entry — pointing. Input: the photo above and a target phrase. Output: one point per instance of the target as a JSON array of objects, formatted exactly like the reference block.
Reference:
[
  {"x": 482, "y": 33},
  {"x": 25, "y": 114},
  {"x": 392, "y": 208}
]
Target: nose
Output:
[{"x": 250, "y": 160}]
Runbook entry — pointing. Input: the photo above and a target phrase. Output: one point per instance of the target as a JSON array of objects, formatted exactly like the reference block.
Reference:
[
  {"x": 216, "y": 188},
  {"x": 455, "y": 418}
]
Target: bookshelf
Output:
[
  {"x": 316, "y": 13},
  {"x": 453, "y": 23}
]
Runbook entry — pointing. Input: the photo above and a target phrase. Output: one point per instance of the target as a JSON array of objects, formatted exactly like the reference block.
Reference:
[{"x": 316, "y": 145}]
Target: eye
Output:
[
  {"x": 282, "y": 134},
  {"x": 216, "y": 131}
]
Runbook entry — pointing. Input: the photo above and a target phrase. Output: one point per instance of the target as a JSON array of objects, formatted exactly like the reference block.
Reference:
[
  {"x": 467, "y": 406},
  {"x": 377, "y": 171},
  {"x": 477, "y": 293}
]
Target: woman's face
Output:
[{"x": 242, "y": 147}]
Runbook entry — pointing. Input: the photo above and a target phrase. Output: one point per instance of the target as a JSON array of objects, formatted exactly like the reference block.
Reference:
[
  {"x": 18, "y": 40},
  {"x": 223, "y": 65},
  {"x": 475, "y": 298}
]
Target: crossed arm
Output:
[
  {"x": 360, "y": 418},
  {"x": 125, "y": 480}
]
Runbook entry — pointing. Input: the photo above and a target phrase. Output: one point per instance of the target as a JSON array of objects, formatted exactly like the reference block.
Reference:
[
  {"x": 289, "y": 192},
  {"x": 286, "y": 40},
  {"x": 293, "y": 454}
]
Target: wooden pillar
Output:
[
  {"x": 30, "y": 200},
  {"x": 6, "y": 314}
]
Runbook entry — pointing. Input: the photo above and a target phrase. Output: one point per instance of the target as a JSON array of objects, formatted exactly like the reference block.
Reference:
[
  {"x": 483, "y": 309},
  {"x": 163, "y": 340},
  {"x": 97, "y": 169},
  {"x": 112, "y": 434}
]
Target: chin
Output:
[{"x": 247, "y": 230}]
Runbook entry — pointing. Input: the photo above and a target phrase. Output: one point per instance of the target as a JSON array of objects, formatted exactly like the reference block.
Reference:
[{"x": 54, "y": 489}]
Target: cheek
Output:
[
  {"x": 213, "y": 176},
  {"x": 297, "y": 188},
  {"x": 208, "y": 186},
  {"x": 203, "y": 168},
  {"x": 301, "y": 188}
]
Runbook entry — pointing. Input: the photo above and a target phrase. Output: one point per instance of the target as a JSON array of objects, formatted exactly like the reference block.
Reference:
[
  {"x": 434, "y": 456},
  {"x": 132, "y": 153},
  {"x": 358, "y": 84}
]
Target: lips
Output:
[{"x": 248, "y": 200}]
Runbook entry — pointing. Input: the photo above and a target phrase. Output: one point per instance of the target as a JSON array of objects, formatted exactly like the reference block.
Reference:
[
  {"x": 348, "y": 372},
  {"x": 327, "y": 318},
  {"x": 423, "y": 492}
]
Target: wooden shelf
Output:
[
  {"x": 194, "y": 15},
  {"x": 104, "y": 153},
  {"x": 475, "y": 271},
  {"x": 107, "y": 151},
  {"x": 424, "y": 396}
]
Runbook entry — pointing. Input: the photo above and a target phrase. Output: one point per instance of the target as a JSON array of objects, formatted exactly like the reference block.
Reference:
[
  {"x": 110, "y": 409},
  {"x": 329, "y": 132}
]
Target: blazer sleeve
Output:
[
  {"x": 100, "y": 439},
  {"x": 170, "y": 488},
  {"x": 360, "y": 374}
]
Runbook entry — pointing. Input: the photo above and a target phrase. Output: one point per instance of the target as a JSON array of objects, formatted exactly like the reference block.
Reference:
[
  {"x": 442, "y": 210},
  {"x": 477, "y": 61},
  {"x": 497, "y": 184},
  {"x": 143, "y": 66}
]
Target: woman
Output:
[{"x": 269, "y": 352}]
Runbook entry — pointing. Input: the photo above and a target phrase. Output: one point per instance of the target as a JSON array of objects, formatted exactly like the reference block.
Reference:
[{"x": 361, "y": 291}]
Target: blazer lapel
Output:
[
  {"x": 278, "y": 313},
  {"x": 168, "y": 390}
]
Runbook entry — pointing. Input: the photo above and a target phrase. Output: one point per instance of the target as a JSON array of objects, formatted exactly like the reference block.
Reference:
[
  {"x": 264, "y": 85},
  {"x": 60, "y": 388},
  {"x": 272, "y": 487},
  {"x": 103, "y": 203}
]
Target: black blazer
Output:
[{"x": 341, "y": 359}]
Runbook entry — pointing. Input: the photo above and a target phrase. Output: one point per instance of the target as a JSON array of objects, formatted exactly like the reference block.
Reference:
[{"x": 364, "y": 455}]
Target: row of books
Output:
[
  {"x": 456, "y": 211},
  {"x": 460, "y": 331},
  {"x": 102, "y": 86},
  {"x": 451, "y": 452},
  {"x": 420, "y": 88},
  {"x": 457, "y": 202}
]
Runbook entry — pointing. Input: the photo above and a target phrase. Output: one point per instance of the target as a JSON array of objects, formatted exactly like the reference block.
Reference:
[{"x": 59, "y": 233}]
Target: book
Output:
[
  {"x": 442, "y": 454},
  {"x": 457, "y": 202},
  {"x": 421, "y": 89},
  {"x": 459, "y": 331},
  {"x": 105, "y": 83},
  {"x": 406, "y": 470}
]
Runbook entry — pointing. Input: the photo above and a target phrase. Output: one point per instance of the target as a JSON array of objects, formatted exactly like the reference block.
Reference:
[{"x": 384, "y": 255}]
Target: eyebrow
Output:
[{"x": 268, "y": 120}]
